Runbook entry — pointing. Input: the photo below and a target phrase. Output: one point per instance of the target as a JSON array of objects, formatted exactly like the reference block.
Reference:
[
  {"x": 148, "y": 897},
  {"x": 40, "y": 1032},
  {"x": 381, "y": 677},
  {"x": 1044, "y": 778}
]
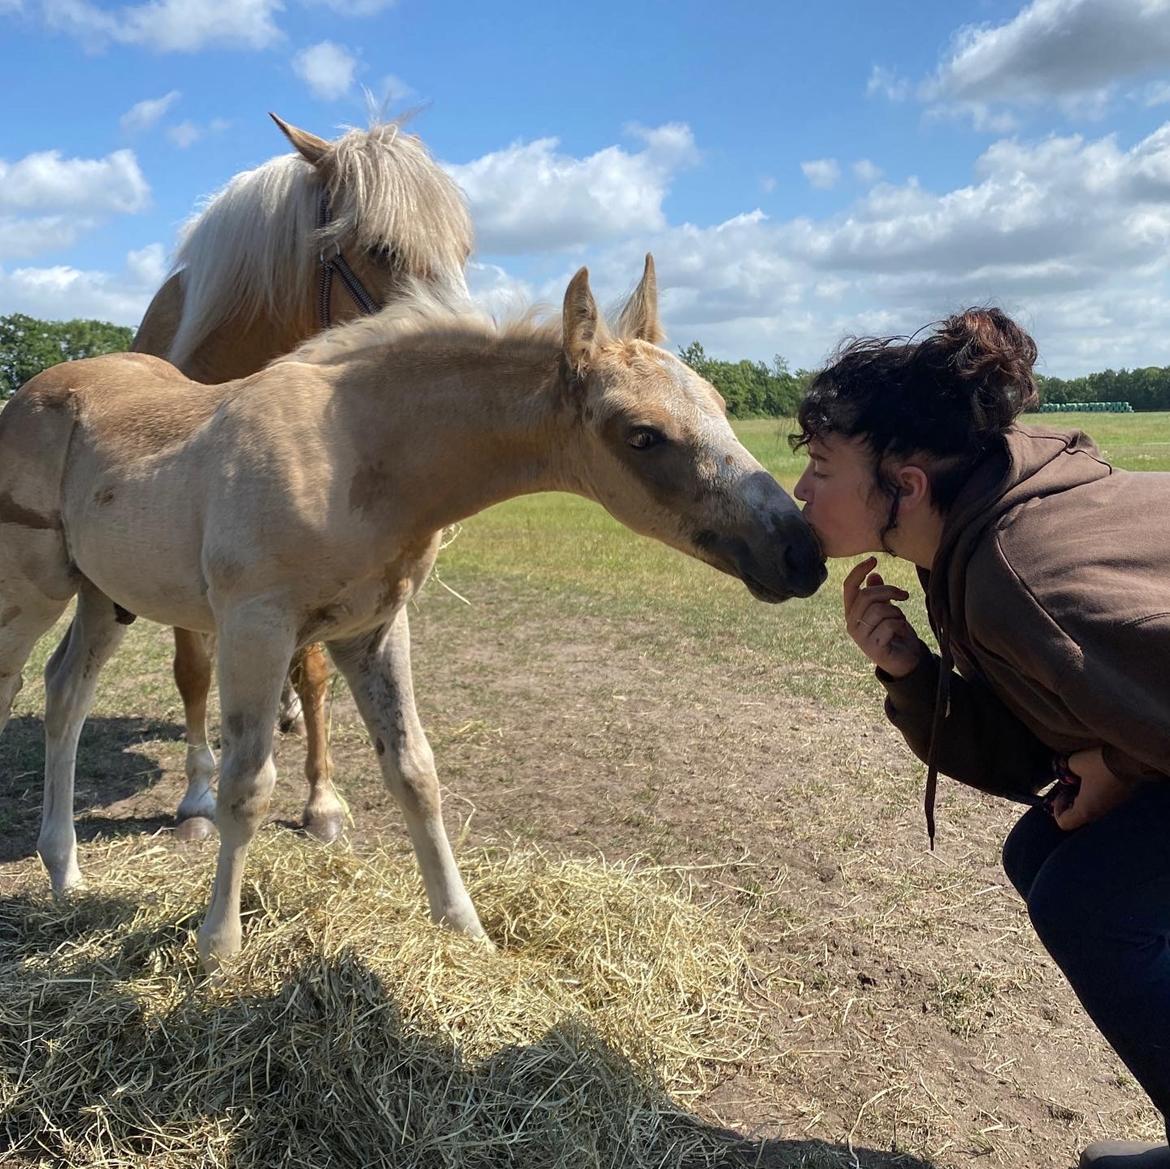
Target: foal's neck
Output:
[{"x": 475, "y": 422}]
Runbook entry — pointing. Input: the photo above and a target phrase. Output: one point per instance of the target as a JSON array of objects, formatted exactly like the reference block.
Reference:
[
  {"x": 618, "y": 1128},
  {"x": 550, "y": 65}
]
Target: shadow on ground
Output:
[
  {"x": 320, "y": 1067},
  {"x": 109, "y": 769}
]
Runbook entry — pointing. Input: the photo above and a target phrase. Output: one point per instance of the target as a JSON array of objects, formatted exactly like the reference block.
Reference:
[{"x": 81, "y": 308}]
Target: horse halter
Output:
[{"x": 334, "y": 262}]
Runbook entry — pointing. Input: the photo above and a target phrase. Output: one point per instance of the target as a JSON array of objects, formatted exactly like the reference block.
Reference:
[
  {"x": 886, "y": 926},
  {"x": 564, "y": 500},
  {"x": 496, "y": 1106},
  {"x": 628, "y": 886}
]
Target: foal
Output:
[
  {"x": 139, "y": 490},
  {"x": 302, "y": 242}
]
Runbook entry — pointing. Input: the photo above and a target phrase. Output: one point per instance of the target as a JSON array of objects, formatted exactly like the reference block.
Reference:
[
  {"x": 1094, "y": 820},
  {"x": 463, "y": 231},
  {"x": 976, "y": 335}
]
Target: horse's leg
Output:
[
  {"x": 377, "y": 668},
  {"x": 192, "y": 666},
  {"x": 21, "y": 625},
  {"x": 254, "y": 651},
  {"x": 310, "y": 674},
  {"x": 291, "y": 719},
  {"x": 70, "y": 682}
]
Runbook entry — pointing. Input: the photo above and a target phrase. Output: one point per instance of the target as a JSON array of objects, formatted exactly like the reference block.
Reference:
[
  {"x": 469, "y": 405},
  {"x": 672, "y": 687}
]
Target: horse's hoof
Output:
[
  {"x": 292, "y": 726},
  {"x": 325, "y": 827},
  {"x": 194, "y": 828}
]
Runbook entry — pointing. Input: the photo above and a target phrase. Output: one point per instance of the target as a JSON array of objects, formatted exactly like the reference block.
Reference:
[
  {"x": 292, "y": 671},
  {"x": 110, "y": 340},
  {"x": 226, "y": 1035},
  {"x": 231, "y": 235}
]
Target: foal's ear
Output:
[
  {"x": 581, "y": 322},
  {"x": 639, "y": 319},
  {"x": 311, "y": 148}
]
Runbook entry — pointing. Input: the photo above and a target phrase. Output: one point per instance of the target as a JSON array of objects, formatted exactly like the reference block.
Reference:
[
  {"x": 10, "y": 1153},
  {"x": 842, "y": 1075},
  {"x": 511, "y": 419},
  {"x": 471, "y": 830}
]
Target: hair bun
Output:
[{"x": 986, "y": 351}]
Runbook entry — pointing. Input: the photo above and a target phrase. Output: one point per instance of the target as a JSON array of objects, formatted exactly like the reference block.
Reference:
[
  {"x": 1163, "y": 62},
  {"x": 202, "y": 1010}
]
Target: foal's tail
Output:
[{"x": 36, "y": 578}]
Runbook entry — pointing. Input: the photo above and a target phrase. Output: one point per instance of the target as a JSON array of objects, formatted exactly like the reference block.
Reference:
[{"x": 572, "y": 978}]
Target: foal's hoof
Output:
[
  {"x": 325, "y": 827},
  {"x": 194, "y": 828}
]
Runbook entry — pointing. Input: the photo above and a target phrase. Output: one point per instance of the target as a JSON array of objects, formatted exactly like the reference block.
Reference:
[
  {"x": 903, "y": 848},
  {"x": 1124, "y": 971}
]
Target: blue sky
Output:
[{"x": 800, "y": 171}]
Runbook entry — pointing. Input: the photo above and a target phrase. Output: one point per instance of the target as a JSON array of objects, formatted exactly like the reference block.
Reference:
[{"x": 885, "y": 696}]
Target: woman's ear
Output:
[{"x": 913, "y": 487}]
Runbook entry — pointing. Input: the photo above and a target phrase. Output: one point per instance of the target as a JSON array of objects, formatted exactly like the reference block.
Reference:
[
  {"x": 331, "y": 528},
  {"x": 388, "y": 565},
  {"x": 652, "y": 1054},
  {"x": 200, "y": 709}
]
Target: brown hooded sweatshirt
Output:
[{"x": 1050, "y": 593}]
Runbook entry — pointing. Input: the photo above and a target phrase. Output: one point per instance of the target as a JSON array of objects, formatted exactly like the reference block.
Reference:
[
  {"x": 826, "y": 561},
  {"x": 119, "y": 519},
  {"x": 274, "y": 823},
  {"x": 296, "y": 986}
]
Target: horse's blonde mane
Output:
[
  {"x": 421, "y": 309},
  {"x": 254, "y": 245}
]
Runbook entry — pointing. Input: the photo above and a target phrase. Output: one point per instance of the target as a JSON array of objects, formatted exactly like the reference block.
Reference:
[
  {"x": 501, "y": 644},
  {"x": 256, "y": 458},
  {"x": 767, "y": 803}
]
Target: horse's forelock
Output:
[{"x": 386, "y": 191}]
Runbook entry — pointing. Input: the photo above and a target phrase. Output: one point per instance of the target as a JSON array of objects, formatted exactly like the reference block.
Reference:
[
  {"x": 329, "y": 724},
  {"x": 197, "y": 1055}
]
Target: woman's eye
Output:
[{"x": 643, "y": 438}]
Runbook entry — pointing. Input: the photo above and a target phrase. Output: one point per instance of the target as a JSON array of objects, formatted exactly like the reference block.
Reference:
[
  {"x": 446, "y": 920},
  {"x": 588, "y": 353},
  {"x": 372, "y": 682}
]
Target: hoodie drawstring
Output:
[{"x": 942, "y": 708}]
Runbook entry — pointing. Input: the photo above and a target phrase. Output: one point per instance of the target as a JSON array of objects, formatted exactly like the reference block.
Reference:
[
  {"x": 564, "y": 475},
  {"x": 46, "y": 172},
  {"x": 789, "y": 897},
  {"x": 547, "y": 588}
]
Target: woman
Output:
[{"x": 1047, "y": 580}]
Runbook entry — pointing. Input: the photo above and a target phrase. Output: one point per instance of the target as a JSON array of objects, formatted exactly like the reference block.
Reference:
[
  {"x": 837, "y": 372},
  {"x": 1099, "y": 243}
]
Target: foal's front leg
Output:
[
  {"x": 377, "y": 668},
  {"x": 254, "y": 651}
]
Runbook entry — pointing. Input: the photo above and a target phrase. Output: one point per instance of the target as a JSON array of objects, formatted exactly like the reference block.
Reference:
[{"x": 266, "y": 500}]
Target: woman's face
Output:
[{"x": 841, "y": 502}]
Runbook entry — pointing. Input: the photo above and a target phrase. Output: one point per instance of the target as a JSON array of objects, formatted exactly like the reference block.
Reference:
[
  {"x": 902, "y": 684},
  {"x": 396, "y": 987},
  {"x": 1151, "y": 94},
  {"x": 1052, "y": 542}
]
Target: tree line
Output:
[
  {"x": 28, "y": 345},
  {"x": 752, "y": 389}
]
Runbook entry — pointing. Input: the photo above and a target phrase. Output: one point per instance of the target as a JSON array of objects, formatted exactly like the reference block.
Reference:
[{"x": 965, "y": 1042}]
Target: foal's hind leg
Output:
[
  {"x": 192, "y": 666},
  {"x": 70, "y": 682},
  {"x": 254, "y": 651},
  {"x": 323, "y": 812},
  {"x": 22, "y": 622},
  {"x": 377, "y": 668}
]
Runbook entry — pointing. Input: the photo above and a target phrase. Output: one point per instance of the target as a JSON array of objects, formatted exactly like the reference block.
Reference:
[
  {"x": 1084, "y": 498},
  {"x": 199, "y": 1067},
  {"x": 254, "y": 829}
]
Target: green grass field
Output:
[{"x": 571, "y": 546}]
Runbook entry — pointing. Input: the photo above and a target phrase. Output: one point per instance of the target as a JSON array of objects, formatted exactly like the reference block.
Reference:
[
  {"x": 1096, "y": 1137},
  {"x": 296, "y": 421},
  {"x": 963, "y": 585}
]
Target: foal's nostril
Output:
[{"x": 803, "y": 557}]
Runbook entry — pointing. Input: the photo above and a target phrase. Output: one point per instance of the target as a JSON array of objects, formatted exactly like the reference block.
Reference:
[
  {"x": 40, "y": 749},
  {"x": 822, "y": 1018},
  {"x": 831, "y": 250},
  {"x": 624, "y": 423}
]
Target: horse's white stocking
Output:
[
  {"x": 192, "y": 667},
  {"x": 377, "y": 668},
  {"x": 70, "y": 682},
  {"x": 254, "y": 652}
]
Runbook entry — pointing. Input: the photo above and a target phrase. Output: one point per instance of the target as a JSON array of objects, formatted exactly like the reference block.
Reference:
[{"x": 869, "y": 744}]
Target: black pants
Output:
[{"x": 1099, "y": 898}]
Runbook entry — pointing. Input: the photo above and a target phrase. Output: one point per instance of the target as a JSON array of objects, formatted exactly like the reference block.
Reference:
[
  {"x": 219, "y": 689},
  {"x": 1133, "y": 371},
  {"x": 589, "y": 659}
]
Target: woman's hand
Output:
[
  {"x": 877, "y": 625},
  {"x": 1100, "y": 791}
]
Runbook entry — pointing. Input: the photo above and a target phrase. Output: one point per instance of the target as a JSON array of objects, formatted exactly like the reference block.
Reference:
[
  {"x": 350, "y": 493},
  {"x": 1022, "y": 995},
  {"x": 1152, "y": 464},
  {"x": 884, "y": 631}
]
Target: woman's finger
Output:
[{"x": 853, "y": 581}]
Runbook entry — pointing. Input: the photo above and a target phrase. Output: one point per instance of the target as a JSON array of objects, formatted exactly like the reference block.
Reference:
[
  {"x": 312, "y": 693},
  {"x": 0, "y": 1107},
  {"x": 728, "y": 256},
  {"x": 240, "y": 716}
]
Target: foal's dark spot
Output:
[
  {"x": 12, "y": 512},
  {"x": 235, "y": 725},
  {"x": 728, "y": 460},
  {"x": 379, "y": 746},
  {"x": 105, "y": 495},
  {"x": 10, "y": 614},
  {"x": 124, "y": 616},
  {"x": 224, "y": 570},
  {"x": 368, "y": 487}
]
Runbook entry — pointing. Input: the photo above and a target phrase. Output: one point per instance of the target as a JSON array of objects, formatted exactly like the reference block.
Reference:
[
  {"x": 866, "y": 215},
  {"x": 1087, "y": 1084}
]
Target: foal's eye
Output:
[
  {"x": 381, "y": 253},
  {"x": 644, "y": 437}
]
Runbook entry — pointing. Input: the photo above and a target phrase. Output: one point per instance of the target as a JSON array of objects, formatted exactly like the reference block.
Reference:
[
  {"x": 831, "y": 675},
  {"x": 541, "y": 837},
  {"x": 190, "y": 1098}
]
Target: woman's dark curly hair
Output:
[{"x": 948, "y": 398}]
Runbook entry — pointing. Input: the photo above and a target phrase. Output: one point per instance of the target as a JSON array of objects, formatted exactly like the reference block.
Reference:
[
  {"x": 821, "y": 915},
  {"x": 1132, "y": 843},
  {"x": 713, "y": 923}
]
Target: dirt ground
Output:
[{"x": 910, "y": 1012}]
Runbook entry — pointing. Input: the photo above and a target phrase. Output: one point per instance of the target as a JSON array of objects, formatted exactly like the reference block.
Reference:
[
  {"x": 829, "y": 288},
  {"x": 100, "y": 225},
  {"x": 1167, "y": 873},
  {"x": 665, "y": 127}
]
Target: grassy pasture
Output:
[{"x": 601, "y": 695}]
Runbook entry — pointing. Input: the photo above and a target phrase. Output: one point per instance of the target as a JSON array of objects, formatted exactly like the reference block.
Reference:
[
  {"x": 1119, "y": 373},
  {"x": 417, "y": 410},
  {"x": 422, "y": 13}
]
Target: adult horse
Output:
[
  {"x": 254, "y": 277},
  {"x": 124, "y": 482}
]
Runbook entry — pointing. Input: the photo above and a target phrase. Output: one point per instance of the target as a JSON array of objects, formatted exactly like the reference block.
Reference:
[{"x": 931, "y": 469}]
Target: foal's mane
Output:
[
  {"x": 421, "y": 310},
  {"x": 253, "y": 246}
]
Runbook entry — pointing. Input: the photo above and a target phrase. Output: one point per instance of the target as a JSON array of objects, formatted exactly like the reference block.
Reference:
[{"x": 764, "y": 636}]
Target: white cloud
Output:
[
  {"x": 327, "y": 68},
  {"x": 62, "y": 292},
  {"x": 768, "y": 184},
  {"x": 1055, "y": 50},
  {"x": 184, "y": 134},
  {"x": 1070, "y": 234},
  {"x": 395, "y": 90},
  {"x": 144, "y": 114},
  {"x": 822, "y": 173},
  {"x": 532, "y": 197},
  {"x": 46, "y": 180},
  {"x": 888, "y": 84},
  {"x": 496, "y": 291},
  {"x": 866, "y": 172},
  {"x": 169, "y": 25},
  {"x": 355, "y": 7},
  {"x": 21, "y": 237}
]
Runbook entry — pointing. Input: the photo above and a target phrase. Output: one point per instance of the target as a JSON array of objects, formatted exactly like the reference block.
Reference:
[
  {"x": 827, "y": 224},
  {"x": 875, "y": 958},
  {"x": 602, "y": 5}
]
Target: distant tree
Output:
[{"x": 28, "y": 345}]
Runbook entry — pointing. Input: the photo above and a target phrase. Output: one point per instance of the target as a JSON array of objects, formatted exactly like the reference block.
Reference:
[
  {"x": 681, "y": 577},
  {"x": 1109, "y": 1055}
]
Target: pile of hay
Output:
[{"x": 352, "y": 1032}]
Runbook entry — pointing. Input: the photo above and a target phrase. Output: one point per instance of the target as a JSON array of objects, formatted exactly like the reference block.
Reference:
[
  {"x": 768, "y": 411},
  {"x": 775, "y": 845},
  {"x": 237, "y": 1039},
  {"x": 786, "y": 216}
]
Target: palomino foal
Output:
[
  {"x": 302, "y": 242},
  {"x": 133, "y": 487}
]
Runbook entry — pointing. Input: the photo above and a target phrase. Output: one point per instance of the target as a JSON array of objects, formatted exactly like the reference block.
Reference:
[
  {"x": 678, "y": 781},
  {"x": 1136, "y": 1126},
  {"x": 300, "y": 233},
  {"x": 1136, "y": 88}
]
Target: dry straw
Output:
[{"x": 352, "y": 1032}]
